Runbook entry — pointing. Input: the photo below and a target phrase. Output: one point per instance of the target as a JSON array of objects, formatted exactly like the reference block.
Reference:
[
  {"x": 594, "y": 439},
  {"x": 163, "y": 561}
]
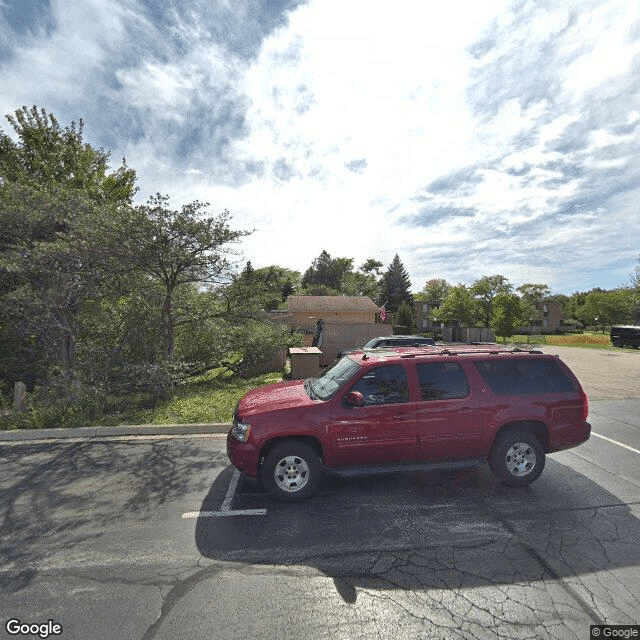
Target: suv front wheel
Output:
[
  {"x": 291, "y": 471},
  {"x": 517, "y": 458}
]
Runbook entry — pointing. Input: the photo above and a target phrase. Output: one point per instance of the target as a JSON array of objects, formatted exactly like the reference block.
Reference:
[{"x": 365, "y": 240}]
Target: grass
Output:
[
  {"x": 584, "y": 340},
  {"x": 209, "y": 398}
]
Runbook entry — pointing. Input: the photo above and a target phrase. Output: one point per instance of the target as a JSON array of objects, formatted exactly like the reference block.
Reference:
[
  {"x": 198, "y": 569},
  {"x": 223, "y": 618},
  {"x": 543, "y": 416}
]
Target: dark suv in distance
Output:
[
  {"x": 383, "y": 342},
  {"x": 624, "y": 335},
  {"x": 410, "y": 410}
]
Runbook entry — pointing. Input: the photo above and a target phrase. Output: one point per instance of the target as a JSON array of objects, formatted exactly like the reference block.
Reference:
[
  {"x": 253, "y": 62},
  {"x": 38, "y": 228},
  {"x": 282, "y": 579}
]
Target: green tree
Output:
[
  {"x": 458, "y": 307},
  {"x": 178, "y": 248},
  {"x": 603, "y": 308},
  {"x": 635, "y": 286},
  {"x": 404, "y": 316},
  {"x": 535, "y": 292},
  {"x": 256, "y": 290},
  {"x": 46, "y": 155},
  {"x": 327, "y": 271},
  {"x": 529, "y": 313},
  {"x": 507, "y": 314},
  {"x": 434, "y": 291},
  {"x": 395, "y": 286},
  {"x": 371, "y": 266},
  {"x": 56, "y": 197},
  {"x": 485, "y": 290}
]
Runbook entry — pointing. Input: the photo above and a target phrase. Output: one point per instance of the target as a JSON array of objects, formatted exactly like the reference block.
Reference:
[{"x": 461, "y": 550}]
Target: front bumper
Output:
[{"x": 243, "y": 456}]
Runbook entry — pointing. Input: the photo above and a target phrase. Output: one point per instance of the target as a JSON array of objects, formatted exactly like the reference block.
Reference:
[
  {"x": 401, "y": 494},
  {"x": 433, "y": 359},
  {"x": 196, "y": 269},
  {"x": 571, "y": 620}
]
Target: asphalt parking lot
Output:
[
  {"x": 158, "y": 537},
  {"x": 604, "y": 374}
]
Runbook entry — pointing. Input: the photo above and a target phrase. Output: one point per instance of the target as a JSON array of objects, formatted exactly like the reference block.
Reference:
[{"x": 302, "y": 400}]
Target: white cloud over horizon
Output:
[{"x": 470, "y": 138}]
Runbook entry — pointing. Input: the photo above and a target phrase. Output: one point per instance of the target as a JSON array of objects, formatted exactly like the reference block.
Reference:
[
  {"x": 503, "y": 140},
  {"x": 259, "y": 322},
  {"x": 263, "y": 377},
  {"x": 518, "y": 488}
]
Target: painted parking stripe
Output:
[
  {"x": 225, "y": 509},
  {"x": 222, "y": 514},
  {"x": 620, "y": 444},
  {"x": 226, "y": 505}
]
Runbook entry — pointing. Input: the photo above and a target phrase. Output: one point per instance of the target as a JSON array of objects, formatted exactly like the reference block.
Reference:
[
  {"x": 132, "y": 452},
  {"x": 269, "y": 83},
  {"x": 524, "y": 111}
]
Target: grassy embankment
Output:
[
  {"x": 206, "y": 399},
  {"x": 584, "y": 340}
]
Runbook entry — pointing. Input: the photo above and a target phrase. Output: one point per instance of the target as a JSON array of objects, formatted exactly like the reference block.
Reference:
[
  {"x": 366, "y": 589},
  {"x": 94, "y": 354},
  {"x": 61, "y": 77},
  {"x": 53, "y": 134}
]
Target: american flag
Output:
[{"x": 383, "y": 313}]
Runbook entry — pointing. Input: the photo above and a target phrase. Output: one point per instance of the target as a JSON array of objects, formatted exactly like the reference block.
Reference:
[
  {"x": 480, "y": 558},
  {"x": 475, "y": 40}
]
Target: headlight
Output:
[{"x": 240, "y": 431}]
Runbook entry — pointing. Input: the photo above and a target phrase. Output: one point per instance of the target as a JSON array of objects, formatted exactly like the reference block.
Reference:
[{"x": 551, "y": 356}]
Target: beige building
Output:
[
  {"x": 349, "y": 321},
  {"x": 352, "y": 309}
]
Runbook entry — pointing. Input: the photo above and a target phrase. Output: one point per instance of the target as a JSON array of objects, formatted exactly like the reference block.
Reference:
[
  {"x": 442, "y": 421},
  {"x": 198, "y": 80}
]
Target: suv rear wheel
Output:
[
  {"x": 291, "y": 471},
  {"x": 517, "y": 458}
]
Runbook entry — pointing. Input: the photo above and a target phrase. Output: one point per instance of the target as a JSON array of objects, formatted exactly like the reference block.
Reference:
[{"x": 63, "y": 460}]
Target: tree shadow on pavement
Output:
[{"x": 55, "y": 498}]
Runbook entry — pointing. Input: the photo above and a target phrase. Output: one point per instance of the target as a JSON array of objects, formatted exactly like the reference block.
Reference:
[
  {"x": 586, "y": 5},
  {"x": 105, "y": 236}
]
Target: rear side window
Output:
[
  {"x": 524, "y": 376},
  {"x": 384, "y": 385},
  {"x": 442, "y": 381}
]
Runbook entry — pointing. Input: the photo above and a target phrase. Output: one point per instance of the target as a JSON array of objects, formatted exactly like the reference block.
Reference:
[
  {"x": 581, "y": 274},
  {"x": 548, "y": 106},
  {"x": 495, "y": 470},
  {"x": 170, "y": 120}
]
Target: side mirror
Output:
[{"x": 354, "y": 399}]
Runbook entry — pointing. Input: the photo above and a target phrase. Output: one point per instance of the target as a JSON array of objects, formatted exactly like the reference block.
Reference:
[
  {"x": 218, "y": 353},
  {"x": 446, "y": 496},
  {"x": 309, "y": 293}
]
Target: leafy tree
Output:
[
  {"x": 327, "y": 271},
  {"x": 485, "y": 289},
  {"x": 56, "y": 195},
  {"x": 458, "y": 307},
  {"x": 357, "y": 283},
  {"x": 261, "y": 289},
  {"x": 396, "y": 285},
  {"x": 529, "y": 313},
  {"x": 404, "y": 317},
  {"x": 434, "y": 291},
  {"x": 177, "y": 248},
  {"x": 635, "y": 286},
  {"x": 507, "y": 314},
  {"x": 604, "y": 308},
  {"x": 534, "y": 292},
  {"x": 371, "y": 267},
  {"x": 47, "y": 155}
]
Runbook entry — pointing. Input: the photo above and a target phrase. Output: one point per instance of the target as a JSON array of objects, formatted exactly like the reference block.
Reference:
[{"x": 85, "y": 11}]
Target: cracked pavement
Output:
[{"x": 92, "y": 536}]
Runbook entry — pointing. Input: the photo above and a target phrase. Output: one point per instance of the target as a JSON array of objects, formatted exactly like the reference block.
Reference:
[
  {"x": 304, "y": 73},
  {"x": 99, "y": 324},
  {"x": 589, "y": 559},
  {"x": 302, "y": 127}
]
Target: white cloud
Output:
[{"x": 470, "y": 138}]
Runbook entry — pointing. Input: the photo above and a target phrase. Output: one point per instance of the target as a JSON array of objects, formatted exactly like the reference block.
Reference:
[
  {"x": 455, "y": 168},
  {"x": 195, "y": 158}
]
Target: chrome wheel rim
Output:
[
  {"x": 291, "y": 474},
  {"x": 521, "y": 459}
]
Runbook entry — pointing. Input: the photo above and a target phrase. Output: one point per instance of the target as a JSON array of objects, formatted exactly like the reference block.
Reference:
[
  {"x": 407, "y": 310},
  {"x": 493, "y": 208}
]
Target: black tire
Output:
[
  {"x": 517, "y": 457},
  {"x": 617, "y": 342},
  {"x": 291, "y": 471}
]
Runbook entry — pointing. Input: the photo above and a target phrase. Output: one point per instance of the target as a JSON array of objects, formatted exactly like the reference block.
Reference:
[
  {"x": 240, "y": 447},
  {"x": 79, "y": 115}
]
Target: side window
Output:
[
  {"x": 519, "y": 376},
  {"x": 442, "y": 381},
  {"x": 383, "y": 385}
]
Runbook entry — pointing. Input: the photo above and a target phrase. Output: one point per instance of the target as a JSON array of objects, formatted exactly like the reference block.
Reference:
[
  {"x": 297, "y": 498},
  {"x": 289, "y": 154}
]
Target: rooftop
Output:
[{"x": 358, "y": 304}]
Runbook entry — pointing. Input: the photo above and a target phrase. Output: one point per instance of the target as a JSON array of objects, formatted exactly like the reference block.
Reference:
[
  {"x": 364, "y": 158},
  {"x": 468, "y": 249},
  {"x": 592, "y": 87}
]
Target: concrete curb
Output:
[{"x": 18, "y": 435}]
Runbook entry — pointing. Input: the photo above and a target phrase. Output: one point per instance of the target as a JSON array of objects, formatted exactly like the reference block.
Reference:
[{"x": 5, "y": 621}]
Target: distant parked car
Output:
[
  {"x": 624, "y": 335},
  {"x": 383, "y": 342}
]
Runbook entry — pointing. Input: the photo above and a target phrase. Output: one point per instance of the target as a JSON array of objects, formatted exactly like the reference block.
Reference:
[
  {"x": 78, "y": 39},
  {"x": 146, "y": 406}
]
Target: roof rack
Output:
[{"x": 454, "y": 351}]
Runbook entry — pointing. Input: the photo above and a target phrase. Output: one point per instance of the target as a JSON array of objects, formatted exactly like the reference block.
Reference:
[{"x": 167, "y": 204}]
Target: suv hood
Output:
[{"x": 273, "y": 397}]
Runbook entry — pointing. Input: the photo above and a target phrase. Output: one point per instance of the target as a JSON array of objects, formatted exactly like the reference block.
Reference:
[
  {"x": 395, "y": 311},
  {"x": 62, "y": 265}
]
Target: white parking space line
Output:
[
  {"x": 222, "y": 514},
  {"x": 232, "y": 489},
  {"x": 620, "y": 444},
  {"x": 225, "y": 509}
]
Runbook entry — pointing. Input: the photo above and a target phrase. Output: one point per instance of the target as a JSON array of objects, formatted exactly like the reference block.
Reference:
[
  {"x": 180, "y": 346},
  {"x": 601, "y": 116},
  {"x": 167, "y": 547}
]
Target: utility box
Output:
[{"x": 305, "y": 362}]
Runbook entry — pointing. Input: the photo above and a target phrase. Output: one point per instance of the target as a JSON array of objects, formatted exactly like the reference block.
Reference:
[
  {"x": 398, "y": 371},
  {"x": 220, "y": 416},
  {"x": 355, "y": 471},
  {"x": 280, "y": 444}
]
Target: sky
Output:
[{"x": 470, "y": 138}]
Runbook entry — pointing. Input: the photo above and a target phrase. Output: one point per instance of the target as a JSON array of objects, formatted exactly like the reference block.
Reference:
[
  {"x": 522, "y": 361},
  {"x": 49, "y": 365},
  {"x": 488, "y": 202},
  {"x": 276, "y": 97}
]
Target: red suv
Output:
[{"x": 410, "y": 409}]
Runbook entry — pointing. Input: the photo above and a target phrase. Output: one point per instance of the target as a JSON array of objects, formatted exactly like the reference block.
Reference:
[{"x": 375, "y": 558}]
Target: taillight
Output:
[{"x": 585, "y": 405}]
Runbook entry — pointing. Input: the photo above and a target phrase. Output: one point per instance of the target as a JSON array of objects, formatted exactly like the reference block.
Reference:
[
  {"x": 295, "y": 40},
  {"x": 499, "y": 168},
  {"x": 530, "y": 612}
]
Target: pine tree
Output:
[{"x": 396, "y": 285}]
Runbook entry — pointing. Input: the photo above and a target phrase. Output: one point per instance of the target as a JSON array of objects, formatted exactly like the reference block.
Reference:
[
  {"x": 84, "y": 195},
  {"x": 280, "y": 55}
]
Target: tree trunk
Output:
[
  {"x": 169, "y": 326},
  {"x": 66, "y": 345}
]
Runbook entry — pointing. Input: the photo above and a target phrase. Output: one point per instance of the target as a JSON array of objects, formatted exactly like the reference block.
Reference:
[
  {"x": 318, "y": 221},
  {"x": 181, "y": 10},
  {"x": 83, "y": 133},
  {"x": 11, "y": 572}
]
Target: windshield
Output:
[
  {"x": 332, "y": 379},
  {"x": 372, "y": 343}
]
